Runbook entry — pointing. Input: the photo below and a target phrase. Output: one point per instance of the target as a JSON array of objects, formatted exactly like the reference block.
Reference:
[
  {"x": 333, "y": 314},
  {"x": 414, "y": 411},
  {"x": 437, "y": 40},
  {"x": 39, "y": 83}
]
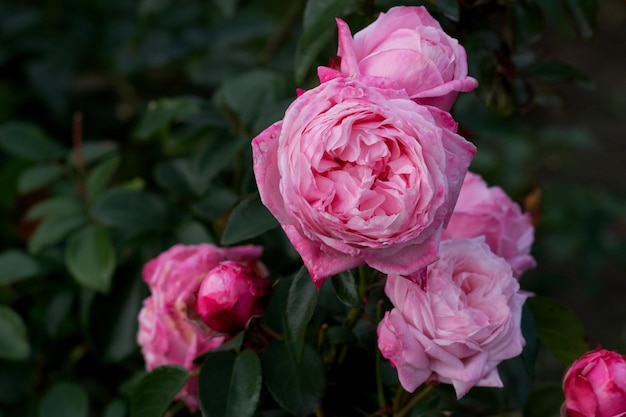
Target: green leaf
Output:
[
  {"x": 165, "y": 111},
  {"x": 296, "y": 385},
  {"x": 15, "y": 265},
  {"x": 13, "y": 339},
  {"x": 583, "y": 15},
  {"x": 133, "y": 210},
  {"x": 531, "y": 348},
  {"x": 65, "y": 399},
  {"x": 156, "y": 391},
  {"x": 55, "y": 207},
  {"x": 227, "y": 7},
  {"x": 216, "y": 158},
  {"x": 176, "y": 176},
  {"x": 301, "y": 302},
  {"x": 112, "y": 318},
  {"x": 558, "y": 329},
  {"x": 54, "y": 229},
  {"x": 150, "y": 7},
  {"x": 92, "y": 152},
  {"x": 116, "y": 408},
  {"x": 544, "y": 401},
  {"x": 193, "y": 233},
  {"x": 229, "y": 385},
  {"x": 347, "y": 289},
  {"x": 90, "y": 257},
  {"x": 248, "y": 94},
  {"x": 28, "y": 142},
  {"x": 99, "y": 176},
  {"x": 38, "y": 176},
  {"x": 318, "y": 21},
  {"x": 215, "y": 203},
  {"x": 248, "y": 219}
]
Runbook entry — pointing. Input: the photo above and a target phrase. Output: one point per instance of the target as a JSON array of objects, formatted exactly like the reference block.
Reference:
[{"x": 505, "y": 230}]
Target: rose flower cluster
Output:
[{"x": 367, "y": 168}]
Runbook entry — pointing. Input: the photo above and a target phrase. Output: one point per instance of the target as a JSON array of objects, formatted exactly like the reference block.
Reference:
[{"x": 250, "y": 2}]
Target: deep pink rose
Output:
[
  {"x": 356, "y": 174},
  {"x": 230, "y": 295},
  {"x": 405, "y": 48},
  {"x": 458, "y": 327},
  {"x": 595, "y": 385},
  {"x": 170, "y": 330},
  {"x": 489, "y": 212}
]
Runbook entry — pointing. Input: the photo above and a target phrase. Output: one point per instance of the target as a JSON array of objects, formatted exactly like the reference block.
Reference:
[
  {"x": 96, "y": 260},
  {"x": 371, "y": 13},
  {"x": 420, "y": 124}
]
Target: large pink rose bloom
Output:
[
  {"x": 595, "y": 385},
  {"x": 458, "y": 327},
  {"x": 489, "y": 212},
  {"x": 170, "y": 331},
  {"x": 406, "y": 48},
  {"x": 356, "y": 174}
]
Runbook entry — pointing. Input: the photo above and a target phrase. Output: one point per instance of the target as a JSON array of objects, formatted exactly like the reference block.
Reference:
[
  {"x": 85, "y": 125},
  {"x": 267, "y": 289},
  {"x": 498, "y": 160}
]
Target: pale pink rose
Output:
[
  {"x": 170, "y": 330},
  {"x": 357, "y": 174},
  {"x": 489, "y": 212},
  {"x": 405, "y": 48},
  {"x": 595, "y": 385},
  {"x": 459, "y": 326},
  {"x": 230, "y": 295}
]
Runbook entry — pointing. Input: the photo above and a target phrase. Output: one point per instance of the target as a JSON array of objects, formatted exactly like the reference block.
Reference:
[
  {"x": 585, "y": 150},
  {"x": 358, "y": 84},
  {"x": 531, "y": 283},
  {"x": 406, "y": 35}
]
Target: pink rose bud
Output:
[
  {"x": 407, "y": 49},
  {"x": 489, "y": 212},
  {"x": 595, "y": 385},
  {"x": 230, "y": 295}
]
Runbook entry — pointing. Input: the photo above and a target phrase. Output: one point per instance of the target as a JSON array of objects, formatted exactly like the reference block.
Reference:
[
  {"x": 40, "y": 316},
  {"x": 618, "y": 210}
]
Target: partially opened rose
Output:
[
  {"x": 406, "y": 48},
  {"x": 489, "y": 212},
  {"x": 170, "y": 330},
  {"x": 595, "y": 385},
  {"x": 356, "y": 174},
  {"x": 458, "y": 327}
]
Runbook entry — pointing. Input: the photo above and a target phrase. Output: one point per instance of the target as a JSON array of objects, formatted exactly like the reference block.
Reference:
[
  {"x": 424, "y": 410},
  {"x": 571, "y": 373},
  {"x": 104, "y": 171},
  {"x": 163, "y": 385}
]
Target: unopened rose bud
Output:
[
  {"x": 595, "y": 385},
  {"x": 230, "y": 295}
]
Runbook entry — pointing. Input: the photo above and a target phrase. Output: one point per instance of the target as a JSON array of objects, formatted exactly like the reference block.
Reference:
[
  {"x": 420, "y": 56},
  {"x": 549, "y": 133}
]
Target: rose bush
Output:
[
  {"x": 487, "y": 211},
  {"x": 357, "y": 174},
  {"x": 458, "y": 327},
  {"x": 170, "y": 331},
  {"x": 595, "y": 385},
  {"x": 405, "y": 48},
  {"x": 231, "y": 294}
]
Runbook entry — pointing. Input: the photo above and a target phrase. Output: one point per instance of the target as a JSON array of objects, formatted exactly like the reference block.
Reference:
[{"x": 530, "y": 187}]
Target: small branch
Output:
[{"x": 77, "y": 141}]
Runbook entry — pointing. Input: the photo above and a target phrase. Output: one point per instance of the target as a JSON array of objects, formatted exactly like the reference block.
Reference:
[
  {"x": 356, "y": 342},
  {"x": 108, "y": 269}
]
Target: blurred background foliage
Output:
[{"x": 125, "y": 128}]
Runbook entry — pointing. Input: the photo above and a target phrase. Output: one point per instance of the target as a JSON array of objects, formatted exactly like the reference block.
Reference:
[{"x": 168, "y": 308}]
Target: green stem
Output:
[
  {"x": 382, "y": 401},
  {"x": 419, "y": 396}
]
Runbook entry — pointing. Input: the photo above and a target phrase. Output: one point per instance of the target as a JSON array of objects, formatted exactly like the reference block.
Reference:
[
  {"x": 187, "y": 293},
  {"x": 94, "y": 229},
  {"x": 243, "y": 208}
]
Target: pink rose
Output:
[
  {"x": 595, "y": 385},
  {"x": 405, "y": 48},
  {"x": 356, "y": 174},
  {"x": 230, "y": 295},
  {"x": 489, "y": 212},
  {"x": 170, "y": 331},
  {"x": 458, "y": 327}
]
